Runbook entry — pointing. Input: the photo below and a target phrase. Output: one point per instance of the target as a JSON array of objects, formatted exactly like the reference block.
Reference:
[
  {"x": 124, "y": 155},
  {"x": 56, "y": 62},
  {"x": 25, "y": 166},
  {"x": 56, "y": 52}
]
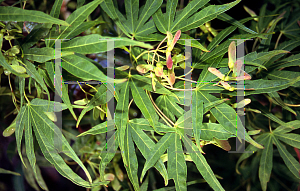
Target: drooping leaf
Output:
[
  {"x": 65, "y": 95},
  {"x": 108, "y": 154},
  {"x": 44, "y": 130},
  {"x": 101, "y": 97},
  {"x": 4, "y": 171},
  {"x": 131, "y": 159},
  {"x": 292, "y": 164},
  {"x": 143, "y": 102},
  {"x": 226, "y": 116},
  {"x": 121, "y": 115},
  {"x": 266, "y": 163},
  {"x": 201, "y": 164},
  {"x": 145, "y": 144},
  {"x": 197, "y": 116},
  {"x": 177, "y": 169},
  {"x": 156, "y": 151}
]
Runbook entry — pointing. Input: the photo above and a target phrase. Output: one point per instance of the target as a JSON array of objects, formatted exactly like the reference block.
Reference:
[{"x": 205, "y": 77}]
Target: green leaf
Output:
[
  {"x": 132, "y": 11},
  {"x": 177, "y": 169},
  {"x": 81, "y": 28},
  {"x": 146, "y": 83},
  {"x": 203, "y": 16},
  {"x": 201, "y": 164},
  {"x": 144, "y": 186},
  {"x": 7, "y": 66},
  {"x": 189, "y": 10},
  {"x": 197, "y": 116},
  {"x": 265, "y": 43},
  {"x": 42, "y": 55},
  {"x": 131, "y": 159},
  {"x": 37, "y": 33},
  {"x": 169, "y": 107},
  {"x": 287, "y": 127},
  {"x": 250, "y": 150},
  {"x": 80, "y": 3},
  {"x": 156, "y": 151},
  {"x": 20, "y": 125},
  {"x": 20, "y": 15},
  {"x": 98, "y": 129},
  {"x": 65, "y": 94},
  {"x": 150, "y": 8},
  {"x": 289, "y": 138},
  {"x": 31, "y": 70},
  {"x": 266, "y": 163},
  {"x": 209, "y": 131},
  {"x": 3, "y": 171},
  {"x": 277, "y": 100},
  {"x": 194, "y": 43},
  {"x": 82, "y": 68},
  {"x": 206, "y": 76},
  {"x": 121, "y": 115},
  {"x": 55, "y": 11},
  {"x": 115, "y": 15},
  {"x": 143, "y": 102},
  {"x": 78, "y": 17},
  {"x": 226, "y": 116},
  {"x": 160, "y": 22},
  {"x": 107, "y": 155},
  {"x": 292, "y": 164},
  {"x": 96, "y": 43},
  {"x": 227, "y": 18},
  {"x": 143, "y": 124},
  {"x": 222, "y": 49},
  {"x": 44, "y": 130},
  {"x": 101, "y": 97},
  {"x": 29, "y": 143},
  {"x": 287, "y": 46},
  {"x": 145, "y": 144},
  {"x": 170, "y": 13},
  {"x": 268, "y": 86},
  {"x": 289, "y": 61}
]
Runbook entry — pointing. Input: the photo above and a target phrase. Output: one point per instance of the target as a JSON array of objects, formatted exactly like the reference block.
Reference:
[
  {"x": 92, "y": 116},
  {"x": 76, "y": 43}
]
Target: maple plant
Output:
[{"x": 169, "y": 104}]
